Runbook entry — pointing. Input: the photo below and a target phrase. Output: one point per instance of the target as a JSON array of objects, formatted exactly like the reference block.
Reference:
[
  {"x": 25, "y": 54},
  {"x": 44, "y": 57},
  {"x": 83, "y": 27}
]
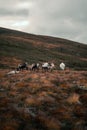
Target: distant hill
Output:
[{"x": 36, "y": 48}]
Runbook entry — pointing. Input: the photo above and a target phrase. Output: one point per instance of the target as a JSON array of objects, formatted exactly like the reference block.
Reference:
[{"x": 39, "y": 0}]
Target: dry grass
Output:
[
  {"x": 73, "y": 98},
  {"x": 52, "y": 99}
]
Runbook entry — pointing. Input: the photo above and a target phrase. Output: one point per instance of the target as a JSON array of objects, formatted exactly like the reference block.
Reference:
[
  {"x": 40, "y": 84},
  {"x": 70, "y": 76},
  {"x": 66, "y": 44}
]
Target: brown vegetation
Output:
[{"x": 43, "y": 101}]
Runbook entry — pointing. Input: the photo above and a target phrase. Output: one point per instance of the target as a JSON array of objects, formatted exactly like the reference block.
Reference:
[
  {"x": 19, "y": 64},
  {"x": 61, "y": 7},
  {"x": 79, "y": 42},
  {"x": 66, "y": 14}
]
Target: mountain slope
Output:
[
  {"x": 39, "y": 100},
  {"x": 36, "y": 48}
]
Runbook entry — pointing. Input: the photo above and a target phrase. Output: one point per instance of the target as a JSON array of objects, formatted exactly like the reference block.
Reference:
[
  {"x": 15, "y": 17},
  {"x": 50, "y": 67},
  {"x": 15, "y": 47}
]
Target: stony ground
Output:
[{"x": 43, "y": 100}]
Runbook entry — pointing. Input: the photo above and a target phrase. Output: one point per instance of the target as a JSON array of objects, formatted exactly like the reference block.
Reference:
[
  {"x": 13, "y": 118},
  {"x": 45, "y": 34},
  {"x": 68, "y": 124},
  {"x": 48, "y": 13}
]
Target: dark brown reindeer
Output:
[{"x": 22, "y": 66}]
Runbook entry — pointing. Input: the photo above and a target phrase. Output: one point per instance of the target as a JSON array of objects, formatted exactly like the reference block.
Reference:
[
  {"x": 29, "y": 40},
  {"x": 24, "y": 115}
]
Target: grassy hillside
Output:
[
  {"x": 39, "y": 100},
  {"x": 36, "y": 48}
]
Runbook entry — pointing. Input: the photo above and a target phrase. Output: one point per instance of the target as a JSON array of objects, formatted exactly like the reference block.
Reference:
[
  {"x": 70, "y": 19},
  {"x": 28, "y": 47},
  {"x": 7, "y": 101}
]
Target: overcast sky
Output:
[{"x": 60, "y": 18}]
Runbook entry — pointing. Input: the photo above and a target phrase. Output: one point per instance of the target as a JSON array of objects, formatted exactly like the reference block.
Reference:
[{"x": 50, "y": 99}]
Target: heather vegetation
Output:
[{"x": 43, "y": 101}]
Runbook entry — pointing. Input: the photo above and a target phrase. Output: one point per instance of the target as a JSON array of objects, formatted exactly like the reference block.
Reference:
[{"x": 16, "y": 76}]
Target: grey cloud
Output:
[
  {"x": 8, "y": 12},
  {"x": 22, "y": 12},
  {"x": 11, "y": 7}
]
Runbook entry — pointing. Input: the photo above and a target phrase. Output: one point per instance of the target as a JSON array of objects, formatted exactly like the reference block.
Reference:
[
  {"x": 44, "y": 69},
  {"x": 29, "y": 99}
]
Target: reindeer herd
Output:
[
  {"x": 45, "y": 67},
  {"x": 36, "y": 66}
]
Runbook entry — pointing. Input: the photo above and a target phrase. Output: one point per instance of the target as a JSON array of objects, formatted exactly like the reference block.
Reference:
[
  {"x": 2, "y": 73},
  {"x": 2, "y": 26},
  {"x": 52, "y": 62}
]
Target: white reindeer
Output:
[
  {"x": 62, "y": 66},
  {"x": 13, "y": 72},
  {"x": 46, "y": 66}
]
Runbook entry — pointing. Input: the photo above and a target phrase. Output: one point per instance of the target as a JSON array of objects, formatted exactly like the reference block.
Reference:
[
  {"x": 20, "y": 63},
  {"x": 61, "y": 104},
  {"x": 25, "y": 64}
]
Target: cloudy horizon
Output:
[{"x": 59, "y": 18}]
